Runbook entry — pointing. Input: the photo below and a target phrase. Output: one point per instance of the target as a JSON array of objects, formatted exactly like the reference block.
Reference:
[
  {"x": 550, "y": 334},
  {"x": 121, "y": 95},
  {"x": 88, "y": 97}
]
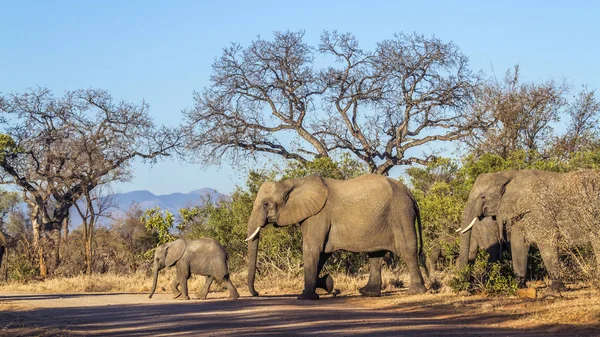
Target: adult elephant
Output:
[
  {"x": 532, "y": 206},
  {"x": 371, "y": 214}
]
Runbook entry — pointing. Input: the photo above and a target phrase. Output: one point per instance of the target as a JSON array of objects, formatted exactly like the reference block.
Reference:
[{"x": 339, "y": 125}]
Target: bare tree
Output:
[
  {"x": 56, "y": 148},
  {"x": 583, "y": 131},
  {"x": 94, "y": 205},
  {"x": 520, "y": 114},
  {"x": 270, "y": 97}
]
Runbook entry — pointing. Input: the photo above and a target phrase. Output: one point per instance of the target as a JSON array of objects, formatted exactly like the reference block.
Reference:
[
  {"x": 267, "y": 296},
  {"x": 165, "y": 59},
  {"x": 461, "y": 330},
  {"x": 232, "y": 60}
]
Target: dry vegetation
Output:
[{"x": 580, "y": 306}]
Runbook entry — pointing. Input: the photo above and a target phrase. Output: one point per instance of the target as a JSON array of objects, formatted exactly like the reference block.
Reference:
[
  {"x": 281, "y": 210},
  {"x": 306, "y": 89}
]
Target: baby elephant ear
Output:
[
  {"x": 306, "y": 197},
  {"x": 175, "y": 251}
]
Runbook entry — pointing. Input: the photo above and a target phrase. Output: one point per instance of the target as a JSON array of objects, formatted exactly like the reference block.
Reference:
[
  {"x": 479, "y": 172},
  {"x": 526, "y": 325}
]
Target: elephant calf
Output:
[{"x": 201, "y": 257}]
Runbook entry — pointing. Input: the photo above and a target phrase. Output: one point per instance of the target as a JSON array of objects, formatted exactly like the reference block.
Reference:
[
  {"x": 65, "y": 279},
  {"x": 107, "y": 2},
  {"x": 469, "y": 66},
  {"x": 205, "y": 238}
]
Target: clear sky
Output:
[{"x": 163, "y": 51}]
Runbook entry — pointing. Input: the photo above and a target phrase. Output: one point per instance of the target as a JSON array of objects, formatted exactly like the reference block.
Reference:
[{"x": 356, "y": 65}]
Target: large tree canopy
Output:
[
  {"x": 55, "y": 149},
  {"x": 276, "y": 97}
]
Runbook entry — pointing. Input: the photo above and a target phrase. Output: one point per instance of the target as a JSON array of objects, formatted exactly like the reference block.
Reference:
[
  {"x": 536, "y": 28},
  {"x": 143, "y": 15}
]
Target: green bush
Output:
[
  {"x": 485, "y": 278},
  {"x": 21, "y": 269}
]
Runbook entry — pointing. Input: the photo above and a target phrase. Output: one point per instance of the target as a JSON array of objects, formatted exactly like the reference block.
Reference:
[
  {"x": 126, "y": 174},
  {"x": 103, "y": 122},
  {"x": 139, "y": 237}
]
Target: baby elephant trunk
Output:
[{"x": 154, "y": 282}]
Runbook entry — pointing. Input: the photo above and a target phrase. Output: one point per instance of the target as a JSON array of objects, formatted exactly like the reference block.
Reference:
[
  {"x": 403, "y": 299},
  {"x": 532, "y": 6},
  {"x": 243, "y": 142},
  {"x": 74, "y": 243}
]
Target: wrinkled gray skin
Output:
[
  {"x": 486, "y": 235},
  {"x": 510, "y": 197},
  {"x": 201, "y": 257},
  {"x": 371, "y": 214}
]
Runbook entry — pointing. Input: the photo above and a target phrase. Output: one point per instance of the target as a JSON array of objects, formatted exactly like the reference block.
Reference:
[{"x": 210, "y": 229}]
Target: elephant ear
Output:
[
  {"x": 304, "y": 198},
  {"x": 174, "y": 252}
]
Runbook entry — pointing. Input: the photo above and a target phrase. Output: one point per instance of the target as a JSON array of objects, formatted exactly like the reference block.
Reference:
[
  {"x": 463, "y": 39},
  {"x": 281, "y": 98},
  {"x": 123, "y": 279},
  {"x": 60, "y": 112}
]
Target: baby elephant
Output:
[{"x": 201, "y": 257}]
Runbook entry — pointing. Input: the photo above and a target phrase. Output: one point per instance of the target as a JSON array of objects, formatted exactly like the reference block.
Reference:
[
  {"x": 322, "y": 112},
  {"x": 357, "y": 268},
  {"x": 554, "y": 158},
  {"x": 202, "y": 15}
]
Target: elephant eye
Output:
[{"x": 266, "y": 205}]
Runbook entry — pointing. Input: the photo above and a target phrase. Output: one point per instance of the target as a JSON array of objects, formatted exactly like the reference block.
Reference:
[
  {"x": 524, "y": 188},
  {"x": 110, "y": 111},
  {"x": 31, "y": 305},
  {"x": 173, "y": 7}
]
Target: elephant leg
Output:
[
  {"x": 311, "y": 259},
  {"x": 410, "y": 254},
  {"x": 233, "y": 294},
  {"x": 373, "y": 287},
  {"x": 433, "y": 258},
  {"x": 326, "y": 281},
  {"x": 175, "y": 288},
  {"x": 183, "y": 274},
  {"x": 550, "y": 258},
  {"x": 519, "y": 251},
  {"x": 204, "y": 291}
]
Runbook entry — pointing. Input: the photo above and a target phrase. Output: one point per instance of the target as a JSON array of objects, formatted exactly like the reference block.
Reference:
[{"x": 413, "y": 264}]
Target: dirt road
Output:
[{"x": 137, "y": 315}]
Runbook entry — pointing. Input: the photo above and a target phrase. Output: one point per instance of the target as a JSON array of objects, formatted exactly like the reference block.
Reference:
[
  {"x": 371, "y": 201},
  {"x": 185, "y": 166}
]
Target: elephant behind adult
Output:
[
  {"x": 371, "y": 214},
  {"x": 203, "y": 256},
  {"x": 522, "y": 200},
  {"x": 486, "y": 235}
]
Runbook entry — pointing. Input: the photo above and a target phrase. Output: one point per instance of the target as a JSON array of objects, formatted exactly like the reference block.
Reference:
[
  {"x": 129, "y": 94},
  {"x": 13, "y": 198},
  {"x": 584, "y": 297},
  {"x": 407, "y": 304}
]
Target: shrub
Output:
[{"x": 485, "y": 278}]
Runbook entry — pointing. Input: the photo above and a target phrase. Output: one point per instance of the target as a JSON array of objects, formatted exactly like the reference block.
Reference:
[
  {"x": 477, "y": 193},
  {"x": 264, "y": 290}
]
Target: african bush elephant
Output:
[
  {"x": 486, "y": 236},
  {"x": 201, "y": 257},
  {"x": 371, "y": 214},
  {"x": 534, "y": 207}
]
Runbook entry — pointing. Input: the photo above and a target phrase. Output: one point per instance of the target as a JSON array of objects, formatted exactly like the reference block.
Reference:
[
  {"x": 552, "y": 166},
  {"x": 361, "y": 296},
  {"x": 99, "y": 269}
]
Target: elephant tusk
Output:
[
  {"x": 251, "y": 237},
  {"x": 469, "y": 226}
]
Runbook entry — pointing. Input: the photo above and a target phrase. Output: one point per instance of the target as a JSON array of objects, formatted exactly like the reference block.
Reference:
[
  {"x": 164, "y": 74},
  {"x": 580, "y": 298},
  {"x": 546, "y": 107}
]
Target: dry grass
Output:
[{"x": 578, "y": 306}]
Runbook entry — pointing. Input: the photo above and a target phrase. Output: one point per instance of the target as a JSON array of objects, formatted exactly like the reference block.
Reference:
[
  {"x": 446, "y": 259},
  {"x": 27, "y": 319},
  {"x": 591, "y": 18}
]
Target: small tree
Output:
[
  {"x": 95, "y": 205},
  {"x": 162, "y": 223},
  {"x": 520, "y": 115},
  {"x": 133, "y": 235},
  {"x": 583, "y": 130}
]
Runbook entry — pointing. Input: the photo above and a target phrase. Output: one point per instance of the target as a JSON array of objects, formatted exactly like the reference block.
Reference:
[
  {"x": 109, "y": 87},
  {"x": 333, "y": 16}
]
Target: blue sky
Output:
[{"x": 163, "y": 51}]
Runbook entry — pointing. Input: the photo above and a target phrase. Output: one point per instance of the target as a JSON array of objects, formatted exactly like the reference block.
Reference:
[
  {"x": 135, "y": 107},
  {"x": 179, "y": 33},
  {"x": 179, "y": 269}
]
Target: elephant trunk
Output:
[
  {"x": 471, "y": 212},
  {"x": 154, "y": 281},
  {"x": 257, "y": 220}
]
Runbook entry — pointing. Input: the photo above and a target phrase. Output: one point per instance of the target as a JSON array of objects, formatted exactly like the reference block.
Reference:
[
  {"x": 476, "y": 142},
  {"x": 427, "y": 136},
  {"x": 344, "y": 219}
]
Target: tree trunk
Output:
[
  {"x": 38, "y": 247},
  {"x": 56, "y": 242},
  {"x": 88, "y": 257},
  {"x": 65, "y": 229}
]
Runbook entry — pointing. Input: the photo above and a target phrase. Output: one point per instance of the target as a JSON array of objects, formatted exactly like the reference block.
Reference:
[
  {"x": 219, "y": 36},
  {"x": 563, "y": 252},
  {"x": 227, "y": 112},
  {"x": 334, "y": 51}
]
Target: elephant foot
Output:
[
  {"x": 326, "y": 283},
  {"x": 176, "y": 295},
  {"x": 184, "y": 298},
  {"x": 201, "y": 296},
  {"x": 521, "y": 282},
  {"x": 370, "y": 290},
  {"x": 233, "y": 296},
  {"x": 417, "y": 289},
  {"x": 558, "y": 286},
  {"x": 308, "y": 296}
]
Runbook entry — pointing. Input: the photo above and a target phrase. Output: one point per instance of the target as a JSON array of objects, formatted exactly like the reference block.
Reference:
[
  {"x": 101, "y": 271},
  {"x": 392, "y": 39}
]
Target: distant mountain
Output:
[{"x": 146, "y": 199}]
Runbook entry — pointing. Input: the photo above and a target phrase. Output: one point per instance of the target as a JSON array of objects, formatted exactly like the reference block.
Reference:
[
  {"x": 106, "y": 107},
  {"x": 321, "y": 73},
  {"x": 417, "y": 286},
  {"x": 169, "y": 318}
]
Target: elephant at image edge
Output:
[
  {"x": 512, "y": 197},
  {"x": 201, "y": 257},
  {"x": 371, "y": 214}
]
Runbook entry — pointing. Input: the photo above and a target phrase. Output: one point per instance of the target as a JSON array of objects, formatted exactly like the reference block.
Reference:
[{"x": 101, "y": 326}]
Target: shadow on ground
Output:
[{"x": 341, "y": 316}]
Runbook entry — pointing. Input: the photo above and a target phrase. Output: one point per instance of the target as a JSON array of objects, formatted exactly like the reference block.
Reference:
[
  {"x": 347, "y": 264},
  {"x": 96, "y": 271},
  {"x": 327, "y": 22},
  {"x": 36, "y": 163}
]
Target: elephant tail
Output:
[{"x": 419, "y": 229}]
